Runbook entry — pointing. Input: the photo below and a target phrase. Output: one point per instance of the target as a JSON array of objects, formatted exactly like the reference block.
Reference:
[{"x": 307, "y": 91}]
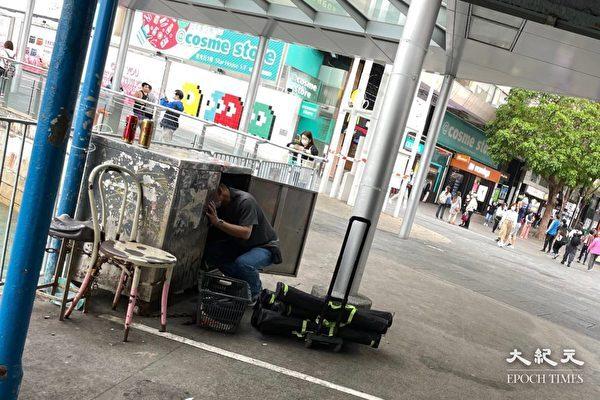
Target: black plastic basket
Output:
[{"x": 222, "y": 302}]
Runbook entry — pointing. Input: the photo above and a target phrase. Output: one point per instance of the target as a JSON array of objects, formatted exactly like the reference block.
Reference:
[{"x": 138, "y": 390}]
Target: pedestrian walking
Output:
[
  {"x": 529, "y": 221},
  {"x": 594, "y": 251},
  {"x": 498, "y": 216},
  {"x": 507, "y": 225},
  {"x": 586, "y": 241},
  {"x": 489, "y": 213},
  {"x": 444, "y": 200},
  {"x": 469, "y": 210},
  {"x": 561, "y": 238},
  {"x": 426, "y": 190},
  {"x": 571, "y": 249},
  {"x": 455, "y": 207},
  {"x": 551, "y": 233},
  {"x": 170, "y": 121}
]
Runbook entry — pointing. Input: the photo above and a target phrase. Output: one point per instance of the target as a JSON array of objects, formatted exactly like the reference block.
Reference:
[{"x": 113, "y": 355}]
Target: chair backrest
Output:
[{"x": 97, "y": 176}]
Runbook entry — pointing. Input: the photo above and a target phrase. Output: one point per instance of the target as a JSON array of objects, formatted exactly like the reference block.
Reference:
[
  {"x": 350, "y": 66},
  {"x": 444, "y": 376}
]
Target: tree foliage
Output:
[{"x": 557, "y": 137}]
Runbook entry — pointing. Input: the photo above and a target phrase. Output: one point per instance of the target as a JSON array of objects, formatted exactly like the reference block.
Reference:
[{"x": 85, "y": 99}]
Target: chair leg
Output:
[
  {"x": 62, "y": 255},
  {"x": 132, "y": 299},
  {"x": 120, "y": 286},
  {"x": 85, "y": 285},
  {"x": 164, "y": 298},
  {"x": 65, "y": 296}
]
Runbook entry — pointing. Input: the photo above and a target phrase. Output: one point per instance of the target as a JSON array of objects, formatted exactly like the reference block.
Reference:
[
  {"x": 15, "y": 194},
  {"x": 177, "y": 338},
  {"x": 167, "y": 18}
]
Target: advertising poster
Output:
[{"x": 217, "y": 47}]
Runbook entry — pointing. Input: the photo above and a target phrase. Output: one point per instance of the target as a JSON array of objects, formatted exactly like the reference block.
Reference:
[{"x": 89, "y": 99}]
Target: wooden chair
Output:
[{"x": 129, "y": 256}]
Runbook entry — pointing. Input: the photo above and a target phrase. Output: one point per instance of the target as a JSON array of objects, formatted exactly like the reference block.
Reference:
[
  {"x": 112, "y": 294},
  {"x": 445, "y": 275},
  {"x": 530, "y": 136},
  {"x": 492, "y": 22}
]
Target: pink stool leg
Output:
[
  {"x": 132, "y": 299},
  {"x": 120, "y": 286},
  {"x": 164, "y": 298}
]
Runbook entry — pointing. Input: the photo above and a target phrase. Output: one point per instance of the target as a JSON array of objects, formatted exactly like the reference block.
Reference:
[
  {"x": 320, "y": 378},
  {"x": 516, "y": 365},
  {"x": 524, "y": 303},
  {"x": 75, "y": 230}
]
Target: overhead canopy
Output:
[{"x": 506, "y": 48}]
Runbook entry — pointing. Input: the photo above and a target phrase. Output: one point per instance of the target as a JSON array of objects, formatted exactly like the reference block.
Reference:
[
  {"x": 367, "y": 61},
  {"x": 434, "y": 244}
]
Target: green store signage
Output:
[
  {"x": 457, "y": 135},
  {"x": 303, "y": 85},
  {"x": 309, "y": 110}
]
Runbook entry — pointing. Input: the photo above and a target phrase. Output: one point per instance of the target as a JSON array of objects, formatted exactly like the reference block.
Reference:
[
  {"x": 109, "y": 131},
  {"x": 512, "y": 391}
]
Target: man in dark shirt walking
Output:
[{"x": 250, "y": 242}]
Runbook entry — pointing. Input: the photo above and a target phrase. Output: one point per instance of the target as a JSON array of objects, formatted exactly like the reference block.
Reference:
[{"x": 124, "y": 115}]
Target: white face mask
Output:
[
  {"x": 513, "y": 208},
  {"x": 305, "y": 141}
]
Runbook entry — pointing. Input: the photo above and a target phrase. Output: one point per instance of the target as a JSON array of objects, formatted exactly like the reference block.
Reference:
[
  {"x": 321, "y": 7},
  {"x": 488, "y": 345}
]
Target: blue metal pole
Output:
[
  {"x": 43, "y": 176},
  {"x": 84, "y": 119}
]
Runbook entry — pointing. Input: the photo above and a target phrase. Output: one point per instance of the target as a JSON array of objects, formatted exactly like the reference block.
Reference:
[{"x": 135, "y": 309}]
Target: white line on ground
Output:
[{"x": 244, "y": 359}]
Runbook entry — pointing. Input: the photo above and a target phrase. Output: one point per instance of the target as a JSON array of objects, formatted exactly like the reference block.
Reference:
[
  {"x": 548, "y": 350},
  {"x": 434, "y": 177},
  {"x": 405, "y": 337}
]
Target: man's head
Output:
[
  {"x": 223, "y": 196},
  {"x": 447, "y": 188},
  {"x": 146, "y": 87},
  {"x": 178, "y": 94}
]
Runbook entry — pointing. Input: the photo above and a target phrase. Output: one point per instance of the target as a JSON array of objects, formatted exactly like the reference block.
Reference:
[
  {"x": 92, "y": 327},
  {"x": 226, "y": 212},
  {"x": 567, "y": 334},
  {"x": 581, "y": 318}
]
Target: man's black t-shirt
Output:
[{"x": 243, "y": 210}]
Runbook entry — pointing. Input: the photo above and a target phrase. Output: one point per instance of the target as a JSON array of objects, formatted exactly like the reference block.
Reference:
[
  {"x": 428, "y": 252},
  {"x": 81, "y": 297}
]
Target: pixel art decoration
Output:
[
  {"x": 229, "y": 111},
  {"x": 211, "y": 105},
  {"x": 262, "y": 121},
  {"x": 192, "y": 98}
]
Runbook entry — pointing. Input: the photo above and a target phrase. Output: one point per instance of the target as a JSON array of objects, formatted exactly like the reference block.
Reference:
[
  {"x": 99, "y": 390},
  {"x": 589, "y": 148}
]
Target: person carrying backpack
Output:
[
  {"x": 561, "y": 239},
  {"x": 7, "y": 68},
  {"x": 571, "y": 249}
]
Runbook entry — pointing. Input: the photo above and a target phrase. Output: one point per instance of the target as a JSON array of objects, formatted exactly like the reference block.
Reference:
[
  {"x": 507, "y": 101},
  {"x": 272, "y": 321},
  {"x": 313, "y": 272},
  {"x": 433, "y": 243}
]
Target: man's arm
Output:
[{"x": 237, "y": 231}]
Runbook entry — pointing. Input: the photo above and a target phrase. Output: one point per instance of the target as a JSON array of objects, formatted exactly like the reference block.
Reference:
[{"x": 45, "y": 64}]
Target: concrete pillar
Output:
[
  {"x": 432, "y": 136},
  {"x": 253, "y": 86},
  {"x": 364, "y": 154},
  {"x": 339, "y": 123},
  {"x": 339, "y": 170},
  {"x": 24, "y": 34},
  {"x": 123, "y": 47},
  {"x": 407, "y": 67},
  {"x": 22, "y": 46}
]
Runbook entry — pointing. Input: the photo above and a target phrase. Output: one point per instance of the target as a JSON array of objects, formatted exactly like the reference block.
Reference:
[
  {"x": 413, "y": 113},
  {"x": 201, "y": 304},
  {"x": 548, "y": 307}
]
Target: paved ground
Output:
[{"x": 461, "y": 303}]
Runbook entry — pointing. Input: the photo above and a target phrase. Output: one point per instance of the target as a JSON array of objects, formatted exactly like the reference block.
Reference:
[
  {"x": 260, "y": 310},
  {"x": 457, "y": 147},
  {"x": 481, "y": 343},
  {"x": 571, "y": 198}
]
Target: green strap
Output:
[
  {"x": 285, "y": 289},
  {"x": 272, "y": 300},
  {"x": 352, "y": 312},
  {"x": 302, "y": 333}
]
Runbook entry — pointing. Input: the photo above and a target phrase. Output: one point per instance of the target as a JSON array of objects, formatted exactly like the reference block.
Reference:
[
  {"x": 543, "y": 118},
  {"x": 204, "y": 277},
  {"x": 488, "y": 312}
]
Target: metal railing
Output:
[
  {"x": 16, "y": 134},
  {"x": 24, "y": 97},
  {"x": 23, "y": 91}
]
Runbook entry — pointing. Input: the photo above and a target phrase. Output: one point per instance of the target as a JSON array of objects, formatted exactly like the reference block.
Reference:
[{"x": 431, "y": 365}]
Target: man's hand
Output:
[{"x": 211, "y": 213}]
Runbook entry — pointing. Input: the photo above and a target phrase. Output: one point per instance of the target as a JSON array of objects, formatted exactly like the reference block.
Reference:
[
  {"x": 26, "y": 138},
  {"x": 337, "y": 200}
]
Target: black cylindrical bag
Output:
[{"x": 362, "y": 319}]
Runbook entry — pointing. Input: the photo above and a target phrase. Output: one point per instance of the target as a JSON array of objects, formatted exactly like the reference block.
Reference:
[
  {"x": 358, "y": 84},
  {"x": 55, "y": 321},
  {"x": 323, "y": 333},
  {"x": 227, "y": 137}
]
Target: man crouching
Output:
[{"x": 247, "y": 242}]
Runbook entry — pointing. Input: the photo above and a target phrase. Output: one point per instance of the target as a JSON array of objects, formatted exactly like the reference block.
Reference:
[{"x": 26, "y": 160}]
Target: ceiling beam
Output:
[
  {"x": 439, "y": 33},
  {"x": 356, "y": 15},
  {"x": 303, "y": 6},
  {"x": 571, "y": 16},
  {"x": 263, "y": 4}
]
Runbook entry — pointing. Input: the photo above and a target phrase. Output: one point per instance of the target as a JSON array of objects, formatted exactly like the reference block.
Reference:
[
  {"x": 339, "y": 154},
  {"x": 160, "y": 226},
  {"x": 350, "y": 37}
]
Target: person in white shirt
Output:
[
  {"x": 472, "y": 205},
  {"x": 444, "y": 200},
  {"x": 498, "y": 216},
  {"x": 508, "y": 222}
]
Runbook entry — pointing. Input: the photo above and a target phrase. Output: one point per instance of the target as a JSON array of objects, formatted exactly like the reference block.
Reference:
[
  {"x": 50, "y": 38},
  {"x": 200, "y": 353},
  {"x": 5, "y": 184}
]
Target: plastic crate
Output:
[{"x": 222, "y": 302}]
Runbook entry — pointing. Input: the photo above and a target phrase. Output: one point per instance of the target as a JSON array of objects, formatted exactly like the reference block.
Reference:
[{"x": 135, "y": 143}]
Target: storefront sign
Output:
[
  {"x": 477, "y": 169},
  {"x": 540, "y": 194},
  {"x": 462, "y": 137},
  {"x": 217, "y": 47},
  {"x": 303, "y": 85},
  {"x": 463, "y": 158},
  {"x": 309, "y": 110}
]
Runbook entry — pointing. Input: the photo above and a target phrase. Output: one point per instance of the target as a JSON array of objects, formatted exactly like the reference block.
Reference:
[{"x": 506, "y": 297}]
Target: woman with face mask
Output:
[{"x": 304, "y": 144}]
